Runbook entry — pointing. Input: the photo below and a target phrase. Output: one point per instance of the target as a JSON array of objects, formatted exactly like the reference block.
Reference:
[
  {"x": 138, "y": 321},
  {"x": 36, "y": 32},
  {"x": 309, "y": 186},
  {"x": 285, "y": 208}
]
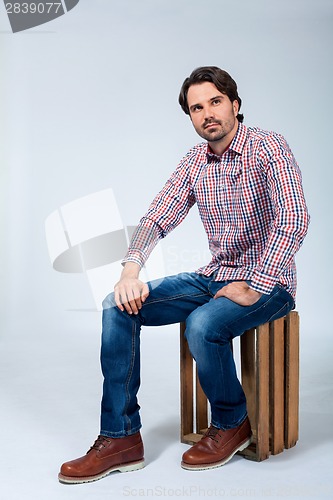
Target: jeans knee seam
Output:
[{"x": 175, "y": 297}]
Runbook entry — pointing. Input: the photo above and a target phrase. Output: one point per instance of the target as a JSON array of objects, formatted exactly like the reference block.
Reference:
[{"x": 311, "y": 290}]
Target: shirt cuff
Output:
[
  {"x": 263, "y": 283},
  {"x": 134, "y": 256}
]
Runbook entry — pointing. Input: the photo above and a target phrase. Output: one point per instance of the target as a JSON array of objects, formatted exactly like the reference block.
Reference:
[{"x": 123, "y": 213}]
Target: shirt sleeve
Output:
[
  {"x": 291, "y": 218},
  {"x": 167, "y": 210}
]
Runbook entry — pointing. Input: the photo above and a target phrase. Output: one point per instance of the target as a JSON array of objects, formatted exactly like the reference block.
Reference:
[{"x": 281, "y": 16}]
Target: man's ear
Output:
[{"x": 235, "y": 106}]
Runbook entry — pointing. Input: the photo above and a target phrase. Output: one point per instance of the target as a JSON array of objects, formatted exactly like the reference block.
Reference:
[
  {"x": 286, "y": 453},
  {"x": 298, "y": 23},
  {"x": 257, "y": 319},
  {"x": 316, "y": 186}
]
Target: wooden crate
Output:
[{"x": 270, "y": 378}]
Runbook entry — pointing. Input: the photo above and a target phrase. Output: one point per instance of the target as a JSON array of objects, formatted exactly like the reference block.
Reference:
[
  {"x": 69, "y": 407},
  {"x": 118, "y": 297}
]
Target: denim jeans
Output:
[{"x": 210, "y": 325}]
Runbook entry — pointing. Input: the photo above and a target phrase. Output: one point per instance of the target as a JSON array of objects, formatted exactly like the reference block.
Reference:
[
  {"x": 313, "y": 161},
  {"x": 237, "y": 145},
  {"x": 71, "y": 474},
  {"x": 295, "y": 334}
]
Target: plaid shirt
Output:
[{"x": 251, "y": 204}]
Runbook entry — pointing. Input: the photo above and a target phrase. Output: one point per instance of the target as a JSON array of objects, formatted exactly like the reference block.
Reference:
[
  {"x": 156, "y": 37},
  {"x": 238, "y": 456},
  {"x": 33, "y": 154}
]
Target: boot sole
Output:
[
  {"x": 132, "y": 466},
  {"x": 214, "y": 465}
]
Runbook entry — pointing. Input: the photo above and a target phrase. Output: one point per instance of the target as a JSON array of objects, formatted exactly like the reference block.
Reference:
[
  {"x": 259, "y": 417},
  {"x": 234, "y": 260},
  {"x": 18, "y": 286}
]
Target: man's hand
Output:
[
  {"x": 239, "y": 292},
  {"x": 130, "y": 292}
]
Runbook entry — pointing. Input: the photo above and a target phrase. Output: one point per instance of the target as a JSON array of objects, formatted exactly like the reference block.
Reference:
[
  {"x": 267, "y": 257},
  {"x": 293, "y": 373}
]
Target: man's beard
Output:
[{"x": 215, "y": 134}]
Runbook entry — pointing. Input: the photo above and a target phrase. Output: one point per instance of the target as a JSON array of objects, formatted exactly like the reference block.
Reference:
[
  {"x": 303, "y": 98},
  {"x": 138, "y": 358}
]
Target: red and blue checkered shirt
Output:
[{"x": 251, "y": 203}]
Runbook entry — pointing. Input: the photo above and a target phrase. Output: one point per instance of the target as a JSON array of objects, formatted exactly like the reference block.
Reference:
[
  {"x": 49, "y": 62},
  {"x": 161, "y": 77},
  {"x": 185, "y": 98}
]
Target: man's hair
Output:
[{"x": 220, "y": 78}]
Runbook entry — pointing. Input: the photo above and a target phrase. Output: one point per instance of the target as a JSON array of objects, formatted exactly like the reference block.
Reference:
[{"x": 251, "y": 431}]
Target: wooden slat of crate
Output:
[
  {"x": 262, "y": 393},
  {"x": 292, "y": 379},
  {"x": 277, "y": 392}
]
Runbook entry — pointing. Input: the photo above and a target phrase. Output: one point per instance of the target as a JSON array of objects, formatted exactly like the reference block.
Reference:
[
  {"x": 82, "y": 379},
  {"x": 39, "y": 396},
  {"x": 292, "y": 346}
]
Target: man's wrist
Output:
[{"x": 131, "y": 270}]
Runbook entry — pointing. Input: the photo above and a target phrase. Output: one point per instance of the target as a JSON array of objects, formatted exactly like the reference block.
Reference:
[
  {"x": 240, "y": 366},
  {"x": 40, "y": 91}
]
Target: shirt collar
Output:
[{"x": 237, "y": 143}]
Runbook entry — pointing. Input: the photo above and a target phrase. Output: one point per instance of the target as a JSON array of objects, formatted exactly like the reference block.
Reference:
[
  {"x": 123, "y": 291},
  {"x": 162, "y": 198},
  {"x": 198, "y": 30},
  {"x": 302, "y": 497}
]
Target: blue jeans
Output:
[{"x": 210, "y": 325}]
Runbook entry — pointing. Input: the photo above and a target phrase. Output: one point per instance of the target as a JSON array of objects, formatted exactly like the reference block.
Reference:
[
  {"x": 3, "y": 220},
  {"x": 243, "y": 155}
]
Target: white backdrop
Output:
[{"x": 90, "y": 101}]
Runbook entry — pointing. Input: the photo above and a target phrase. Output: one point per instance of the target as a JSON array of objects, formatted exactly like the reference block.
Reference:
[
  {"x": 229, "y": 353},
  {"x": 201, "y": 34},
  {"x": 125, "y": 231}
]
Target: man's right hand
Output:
[{"x": 130, "y": 292}]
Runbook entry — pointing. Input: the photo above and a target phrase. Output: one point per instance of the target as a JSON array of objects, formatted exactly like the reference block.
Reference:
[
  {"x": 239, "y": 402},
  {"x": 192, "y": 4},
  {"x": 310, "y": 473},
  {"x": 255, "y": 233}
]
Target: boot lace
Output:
[
  {"x": 213, "y": 433},
  {"x": 99, "y": 443}
]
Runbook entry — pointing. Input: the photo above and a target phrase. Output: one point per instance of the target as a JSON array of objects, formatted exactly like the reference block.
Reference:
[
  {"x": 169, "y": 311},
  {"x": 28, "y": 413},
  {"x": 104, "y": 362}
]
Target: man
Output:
[{"x": 247, "y": 186}]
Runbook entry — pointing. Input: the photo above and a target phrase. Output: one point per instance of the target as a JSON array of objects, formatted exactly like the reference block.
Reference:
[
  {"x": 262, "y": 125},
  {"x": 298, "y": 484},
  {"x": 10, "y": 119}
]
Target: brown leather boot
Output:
[
  {"x": 217, "y": 447},
  {"x": 105, "y": 455}
]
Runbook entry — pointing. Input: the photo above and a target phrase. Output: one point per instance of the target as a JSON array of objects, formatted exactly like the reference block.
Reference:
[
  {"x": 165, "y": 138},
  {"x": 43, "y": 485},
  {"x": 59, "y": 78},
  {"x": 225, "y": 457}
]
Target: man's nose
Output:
[{"x": 208, "y": 113}]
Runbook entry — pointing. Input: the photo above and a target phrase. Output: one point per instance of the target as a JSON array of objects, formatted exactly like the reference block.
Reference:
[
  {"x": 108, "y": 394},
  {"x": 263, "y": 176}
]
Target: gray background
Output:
[{"x": 89, "y": 101}]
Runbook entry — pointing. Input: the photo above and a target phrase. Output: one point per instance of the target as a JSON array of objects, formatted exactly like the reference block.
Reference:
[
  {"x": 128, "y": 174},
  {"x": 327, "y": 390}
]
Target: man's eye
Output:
[
  {"x": 196, "y": 108},
  {"x": 216, "y": 101}
]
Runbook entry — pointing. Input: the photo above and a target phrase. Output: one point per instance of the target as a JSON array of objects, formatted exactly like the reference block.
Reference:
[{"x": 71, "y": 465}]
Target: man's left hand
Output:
[{"x": 239, "y": 292}]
